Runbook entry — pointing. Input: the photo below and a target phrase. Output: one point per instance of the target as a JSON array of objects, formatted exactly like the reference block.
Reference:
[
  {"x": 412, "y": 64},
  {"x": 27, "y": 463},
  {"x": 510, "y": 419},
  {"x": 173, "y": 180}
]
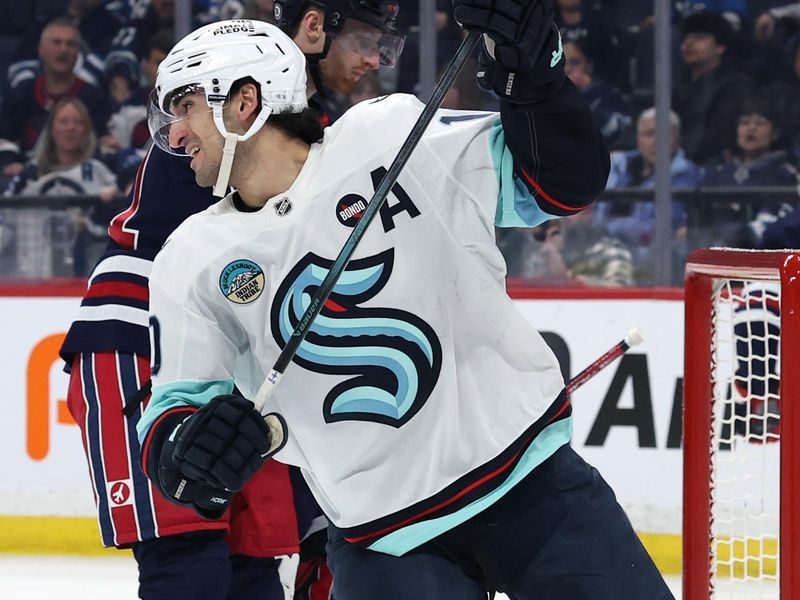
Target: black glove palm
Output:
[
  {"x": 522, "y": 61},
  {"x": 519, "y": 29}
]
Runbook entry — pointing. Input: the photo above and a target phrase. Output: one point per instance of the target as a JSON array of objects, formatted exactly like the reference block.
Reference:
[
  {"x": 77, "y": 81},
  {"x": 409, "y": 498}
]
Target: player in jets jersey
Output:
[{"x": 428, "y": 417}]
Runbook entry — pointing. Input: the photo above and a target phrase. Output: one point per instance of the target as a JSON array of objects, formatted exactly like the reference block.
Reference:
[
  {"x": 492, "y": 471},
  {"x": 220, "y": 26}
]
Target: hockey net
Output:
[{"x": 741, "y": 532}]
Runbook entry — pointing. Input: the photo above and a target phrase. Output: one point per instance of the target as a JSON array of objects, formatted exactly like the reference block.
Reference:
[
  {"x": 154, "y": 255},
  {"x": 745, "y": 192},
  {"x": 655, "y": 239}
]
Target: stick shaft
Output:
[
  {"x": 379, "y": 197},
  {"x": 598, "y": 365},
  {"x": 620, "y": 348}
]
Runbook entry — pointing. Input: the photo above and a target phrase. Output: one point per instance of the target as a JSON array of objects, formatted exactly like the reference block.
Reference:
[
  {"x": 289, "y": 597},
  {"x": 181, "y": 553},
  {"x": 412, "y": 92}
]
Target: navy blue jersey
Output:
[{"x": 113, "y": 312}]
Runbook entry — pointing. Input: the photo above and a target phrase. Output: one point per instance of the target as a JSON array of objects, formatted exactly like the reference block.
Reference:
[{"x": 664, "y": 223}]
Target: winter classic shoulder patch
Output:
[{"x": 242, "y": 281}]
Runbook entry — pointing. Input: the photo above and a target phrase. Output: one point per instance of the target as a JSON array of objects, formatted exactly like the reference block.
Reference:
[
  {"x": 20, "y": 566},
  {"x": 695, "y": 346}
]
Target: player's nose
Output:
[
  {"x": 372, "y": 60},
  {"x": 177, "y": 133}
]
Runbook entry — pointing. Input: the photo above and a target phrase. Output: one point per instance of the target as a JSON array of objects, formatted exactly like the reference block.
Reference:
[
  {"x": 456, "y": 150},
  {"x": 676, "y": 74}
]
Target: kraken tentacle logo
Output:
[{"x": 394, "y": 356}]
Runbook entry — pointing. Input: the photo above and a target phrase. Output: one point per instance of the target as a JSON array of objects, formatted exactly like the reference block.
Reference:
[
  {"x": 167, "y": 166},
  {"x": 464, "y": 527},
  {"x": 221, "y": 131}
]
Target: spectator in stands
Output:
[
  {"x": 159, "y": 15},
  {"x": 594, "y": 257},
  {"x": 64, "y": 165},
  {"x": 127, "y": 126},
  {"x": 544, "y": 264},
  {"x": 17, "y": 28},
  {"x": 733, "y": 7},
  {"x": 574, "y": 251},
  {"x": 155, "y": 50},
  {"x": 610, "y": 108},
  {"x": 634, "y": 223},
  {"x": 98, "y": 25},
  {"x": 37, "y": 14},
  {"x": 211, "y": 11},
  {"x": 784, "y": 92},
  {"x": 26, "y": 107},
  {"x": 782, "y": 233},
  {"x": 734, "y": 11},
  {"x": 707, "y": 94},
  {"x": 756, "y": 160},
  {"x": 569, "y": 16},
  {"x": 767, "y": 23},
  {"x": 579, "y": 20},
  {"x": 121, "y": 77},
  {"x": 130, "y": 83}
]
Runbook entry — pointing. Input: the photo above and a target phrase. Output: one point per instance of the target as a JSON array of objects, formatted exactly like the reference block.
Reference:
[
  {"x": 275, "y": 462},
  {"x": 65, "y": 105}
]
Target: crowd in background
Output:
[{"x": 79, "y": 72}]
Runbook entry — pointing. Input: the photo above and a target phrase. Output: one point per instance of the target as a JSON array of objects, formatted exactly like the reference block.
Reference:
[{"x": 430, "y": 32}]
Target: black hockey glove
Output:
[
  {"x": 522, "y": 58},
  {"x": 202, "y": 459}
]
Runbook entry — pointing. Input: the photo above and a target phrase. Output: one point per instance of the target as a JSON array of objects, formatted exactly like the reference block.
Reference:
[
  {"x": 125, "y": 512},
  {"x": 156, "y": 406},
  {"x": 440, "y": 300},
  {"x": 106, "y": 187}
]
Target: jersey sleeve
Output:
[
  {"x": 520, "y": 165},
  {"x": 195, "y": 343},
  {"x": 471, "y": 152},
  {"x": 557, "y": 151}
]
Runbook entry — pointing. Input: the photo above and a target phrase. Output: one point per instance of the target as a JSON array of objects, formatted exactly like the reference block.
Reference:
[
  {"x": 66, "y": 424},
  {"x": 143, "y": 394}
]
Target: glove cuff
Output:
[
  {"x": 160, "y": 466},
  {"x": 159, "y": 434}
]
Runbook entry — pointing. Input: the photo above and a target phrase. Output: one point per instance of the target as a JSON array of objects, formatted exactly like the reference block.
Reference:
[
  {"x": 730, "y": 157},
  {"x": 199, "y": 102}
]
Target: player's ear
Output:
[
  {"x": 247, "y": 105},
  {"x": 310, "y": 36}
]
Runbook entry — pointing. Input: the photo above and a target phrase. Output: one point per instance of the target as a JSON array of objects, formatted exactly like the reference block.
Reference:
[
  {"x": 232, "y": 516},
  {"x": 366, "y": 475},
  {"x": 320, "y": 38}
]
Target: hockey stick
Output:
[
  {"x": 632, "y": 339},
  {"x": 379, "y": 197}
]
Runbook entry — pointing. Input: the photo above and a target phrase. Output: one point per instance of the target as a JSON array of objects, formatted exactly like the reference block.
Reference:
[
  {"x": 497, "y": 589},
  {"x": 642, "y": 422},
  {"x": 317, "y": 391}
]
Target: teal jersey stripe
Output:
[
  {"x": 516, "y": 206},
  {"x": 179, "y": 393},
  {"x": 546, "y": 443}
]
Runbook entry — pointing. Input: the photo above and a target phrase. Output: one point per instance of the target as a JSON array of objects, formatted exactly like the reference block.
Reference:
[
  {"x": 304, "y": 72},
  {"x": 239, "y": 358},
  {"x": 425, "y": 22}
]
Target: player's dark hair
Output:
[
  {"x": 304, "y": 125},
  {"x": 292, "y": 28}
]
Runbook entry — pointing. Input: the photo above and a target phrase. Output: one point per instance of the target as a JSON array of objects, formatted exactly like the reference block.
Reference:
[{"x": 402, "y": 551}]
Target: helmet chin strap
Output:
[
  {"x": 225, "y": 166},
  {"x": 312, "y": 59},
  {"x": 231, "y": 139}
]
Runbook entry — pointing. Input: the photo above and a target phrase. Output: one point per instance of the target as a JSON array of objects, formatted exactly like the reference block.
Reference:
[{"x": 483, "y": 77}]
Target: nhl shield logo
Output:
[
  {"x": 283, "y": 207},
  {"x": 242, "y": 281}
]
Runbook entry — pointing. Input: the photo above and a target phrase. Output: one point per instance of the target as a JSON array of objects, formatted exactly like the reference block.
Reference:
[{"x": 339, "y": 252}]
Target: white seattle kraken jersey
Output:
[{"x": 420, "y": 395}]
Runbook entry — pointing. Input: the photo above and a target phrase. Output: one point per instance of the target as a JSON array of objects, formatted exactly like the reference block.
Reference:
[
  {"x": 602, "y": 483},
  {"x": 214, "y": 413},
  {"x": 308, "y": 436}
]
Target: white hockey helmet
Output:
[{"x": 209, "y": 60}]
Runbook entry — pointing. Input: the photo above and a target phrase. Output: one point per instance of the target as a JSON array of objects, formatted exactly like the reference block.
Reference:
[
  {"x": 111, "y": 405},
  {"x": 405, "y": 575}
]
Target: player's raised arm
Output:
[{"x": 559, "y": 154}]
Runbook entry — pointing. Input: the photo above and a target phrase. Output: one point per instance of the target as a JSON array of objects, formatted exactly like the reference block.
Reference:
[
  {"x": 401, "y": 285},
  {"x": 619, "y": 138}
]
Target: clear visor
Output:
[
  {"x": 180, "y": 105},
  {"x": 384, "y": 46}
]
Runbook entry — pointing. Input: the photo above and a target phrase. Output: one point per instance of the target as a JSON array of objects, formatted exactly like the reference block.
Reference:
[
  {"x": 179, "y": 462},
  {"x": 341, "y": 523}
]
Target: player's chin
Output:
[
  {"x": 204, "y": 177},
  {"x": 346, "y": 85}
]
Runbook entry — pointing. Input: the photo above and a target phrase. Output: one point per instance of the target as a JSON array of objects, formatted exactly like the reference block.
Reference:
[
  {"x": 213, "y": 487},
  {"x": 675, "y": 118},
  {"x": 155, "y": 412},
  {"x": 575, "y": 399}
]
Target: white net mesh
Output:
[{"x": 745, "y": 440}]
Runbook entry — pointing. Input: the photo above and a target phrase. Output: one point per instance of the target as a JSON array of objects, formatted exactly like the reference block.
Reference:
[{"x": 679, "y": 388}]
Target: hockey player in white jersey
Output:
[{"x": 427, "y": 415}]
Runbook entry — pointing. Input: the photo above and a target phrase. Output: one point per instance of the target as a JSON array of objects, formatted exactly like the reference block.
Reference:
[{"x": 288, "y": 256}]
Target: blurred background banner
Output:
[{"x": 627, "y": 419}]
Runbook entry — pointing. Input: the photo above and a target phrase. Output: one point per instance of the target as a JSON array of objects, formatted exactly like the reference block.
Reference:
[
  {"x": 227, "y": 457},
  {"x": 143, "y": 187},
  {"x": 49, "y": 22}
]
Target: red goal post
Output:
[{"x": 741, "y": 425}]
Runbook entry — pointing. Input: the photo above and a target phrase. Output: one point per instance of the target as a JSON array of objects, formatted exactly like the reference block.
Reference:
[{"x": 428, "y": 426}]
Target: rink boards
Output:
[{"x": 627, "y": 419}]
